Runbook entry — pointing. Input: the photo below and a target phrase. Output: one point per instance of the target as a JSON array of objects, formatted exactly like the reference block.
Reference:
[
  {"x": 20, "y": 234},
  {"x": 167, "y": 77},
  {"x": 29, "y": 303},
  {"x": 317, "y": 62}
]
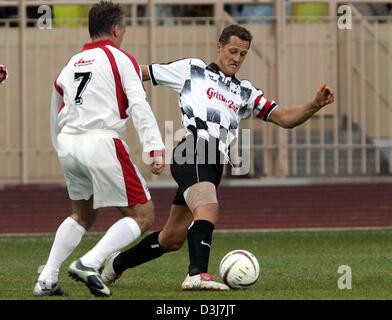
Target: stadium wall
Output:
[{"x": 41, "y": 208}]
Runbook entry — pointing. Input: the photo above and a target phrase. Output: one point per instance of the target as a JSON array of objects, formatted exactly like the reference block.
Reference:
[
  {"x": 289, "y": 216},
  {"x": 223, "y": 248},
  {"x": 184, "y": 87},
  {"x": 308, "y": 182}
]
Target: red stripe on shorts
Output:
[{"x": 133, "y": 186}]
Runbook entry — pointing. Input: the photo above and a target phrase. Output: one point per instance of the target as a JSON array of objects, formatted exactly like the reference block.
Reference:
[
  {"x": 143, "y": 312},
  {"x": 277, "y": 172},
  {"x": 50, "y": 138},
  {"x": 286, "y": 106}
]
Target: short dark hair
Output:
[
  {"x": 235, "y": 30},
  {"x": 102, "y": 17}
]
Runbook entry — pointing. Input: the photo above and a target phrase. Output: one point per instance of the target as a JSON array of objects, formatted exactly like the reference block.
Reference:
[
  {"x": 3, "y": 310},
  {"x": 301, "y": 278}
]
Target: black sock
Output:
[
  {"x": 199, "y": 245},
  {"x": 146, "y": 250}
]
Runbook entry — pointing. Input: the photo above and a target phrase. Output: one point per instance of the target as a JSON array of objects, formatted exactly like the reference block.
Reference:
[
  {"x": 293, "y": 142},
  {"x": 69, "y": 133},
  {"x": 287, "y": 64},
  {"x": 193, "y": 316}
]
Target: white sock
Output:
[
  {"x": 119, "y": 235},
  {"x": 67, "y": 238}
]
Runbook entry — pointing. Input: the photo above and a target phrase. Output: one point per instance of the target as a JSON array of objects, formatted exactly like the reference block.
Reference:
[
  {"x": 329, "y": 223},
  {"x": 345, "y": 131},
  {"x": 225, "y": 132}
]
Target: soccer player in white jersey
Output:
[
  {"x": 212, "y": 102},
  {"x": 95, "y": 95}
]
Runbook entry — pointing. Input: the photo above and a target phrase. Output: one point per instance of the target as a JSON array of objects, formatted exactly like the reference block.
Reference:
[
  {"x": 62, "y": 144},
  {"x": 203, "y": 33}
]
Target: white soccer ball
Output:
[{"x": 239, "y": 269}]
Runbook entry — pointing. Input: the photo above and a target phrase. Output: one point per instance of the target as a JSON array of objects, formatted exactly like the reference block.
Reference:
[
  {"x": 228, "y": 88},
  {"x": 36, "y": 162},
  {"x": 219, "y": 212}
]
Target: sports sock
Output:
[
  {"x": 119, "y": 235},
  {"x": 146, "y": 250},
  {"x": 199, "y": 245},
  {"x": 67, "y": 238}
]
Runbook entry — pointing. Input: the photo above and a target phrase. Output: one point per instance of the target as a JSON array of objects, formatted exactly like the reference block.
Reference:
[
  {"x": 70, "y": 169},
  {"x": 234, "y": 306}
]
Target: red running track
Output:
[{"x": 41, "y": 208}]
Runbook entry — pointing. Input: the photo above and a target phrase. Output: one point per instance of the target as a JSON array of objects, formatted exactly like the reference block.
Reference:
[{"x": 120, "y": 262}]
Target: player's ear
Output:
[
  {"x": 116, "y": 30},
  {"x": 219, "y": 46}
]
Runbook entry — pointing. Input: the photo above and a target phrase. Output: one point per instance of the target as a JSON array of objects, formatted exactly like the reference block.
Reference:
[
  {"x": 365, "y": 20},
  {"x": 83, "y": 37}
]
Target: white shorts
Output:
[{"x": 98, "y": 163}]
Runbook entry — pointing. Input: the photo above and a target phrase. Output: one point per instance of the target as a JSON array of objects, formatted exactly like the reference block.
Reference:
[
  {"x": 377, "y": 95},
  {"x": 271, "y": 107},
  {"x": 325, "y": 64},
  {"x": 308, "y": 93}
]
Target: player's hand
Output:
[
  {"x": 157, "y": 166},
  {"x": 324, "y": 96},
  {"x": 3, "y": 73},
  {"x": 158, "y": 162}
]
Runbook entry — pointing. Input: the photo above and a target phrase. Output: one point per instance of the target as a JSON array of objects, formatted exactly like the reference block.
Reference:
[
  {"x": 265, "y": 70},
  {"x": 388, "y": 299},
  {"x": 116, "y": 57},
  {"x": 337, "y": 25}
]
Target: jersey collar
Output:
[
  {"x": 98, "y": 44},
  {"x": 215, "y": 68}
]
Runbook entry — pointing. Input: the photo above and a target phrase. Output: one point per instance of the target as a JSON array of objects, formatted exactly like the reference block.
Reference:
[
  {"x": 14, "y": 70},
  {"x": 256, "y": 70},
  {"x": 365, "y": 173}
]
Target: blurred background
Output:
[{"x": 334, "y": 170}]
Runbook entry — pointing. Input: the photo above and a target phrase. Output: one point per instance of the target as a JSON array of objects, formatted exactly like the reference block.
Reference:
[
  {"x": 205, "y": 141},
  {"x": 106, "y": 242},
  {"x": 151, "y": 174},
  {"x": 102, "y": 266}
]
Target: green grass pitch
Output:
[{"x": 294, "y": 265}]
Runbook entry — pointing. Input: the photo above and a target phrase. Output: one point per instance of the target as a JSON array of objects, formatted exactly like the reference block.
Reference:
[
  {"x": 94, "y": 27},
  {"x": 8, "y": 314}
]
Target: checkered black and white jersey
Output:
[{"x": 211, "y": 103}]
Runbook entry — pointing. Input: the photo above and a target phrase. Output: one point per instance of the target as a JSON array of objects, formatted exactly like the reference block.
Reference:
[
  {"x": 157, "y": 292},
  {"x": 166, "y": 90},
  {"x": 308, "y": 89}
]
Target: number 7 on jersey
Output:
[{"x": 84, "y": 78}]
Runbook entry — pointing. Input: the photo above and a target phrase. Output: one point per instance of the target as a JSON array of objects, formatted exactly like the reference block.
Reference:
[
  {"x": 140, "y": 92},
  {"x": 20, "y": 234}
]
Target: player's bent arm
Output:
[
  {"x": 149, "y": 135},
  {"x": 142, "y": 117},
  {"x": 145, "y": 124},
  {"x": 145, "y": 73},
  {"x": 296, "y": 115},
  {"x": 140, "y": 111}
]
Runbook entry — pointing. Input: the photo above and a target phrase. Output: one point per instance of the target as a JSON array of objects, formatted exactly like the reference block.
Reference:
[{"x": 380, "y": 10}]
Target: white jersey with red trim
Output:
[
  {"x": 211, "y": 102},
  {"x": 101, "y": 88}
]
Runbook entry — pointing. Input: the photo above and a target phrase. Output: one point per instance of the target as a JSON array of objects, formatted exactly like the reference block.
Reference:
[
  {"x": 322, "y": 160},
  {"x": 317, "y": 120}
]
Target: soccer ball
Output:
[{"x": 239, "y": 269}]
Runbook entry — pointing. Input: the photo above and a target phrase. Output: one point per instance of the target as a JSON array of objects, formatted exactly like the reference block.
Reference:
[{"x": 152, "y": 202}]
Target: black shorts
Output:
[{"x": 195, "y": 160}]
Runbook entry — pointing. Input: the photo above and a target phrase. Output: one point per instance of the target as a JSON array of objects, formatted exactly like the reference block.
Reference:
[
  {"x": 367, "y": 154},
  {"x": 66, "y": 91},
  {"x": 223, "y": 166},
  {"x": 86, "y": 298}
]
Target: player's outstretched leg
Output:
[
  {"x": 154, "y": 245},
  {"x": 147, "y": 249}
]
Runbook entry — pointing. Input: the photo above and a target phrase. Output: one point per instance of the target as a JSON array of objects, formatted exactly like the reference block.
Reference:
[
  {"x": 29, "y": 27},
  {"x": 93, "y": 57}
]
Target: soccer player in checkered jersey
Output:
[
  {"x": 212, "y": 102},
  {"x": 95, "y": 95}
]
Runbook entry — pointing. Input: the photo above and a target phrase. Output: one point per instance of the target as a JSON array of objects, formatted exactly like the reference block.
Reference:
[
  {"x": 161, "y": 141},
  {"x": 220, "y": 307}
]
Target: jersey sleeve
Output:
[
  {"x": 172, "y": 75},
  {"x": 56, "y": 104},
  {"x": 260, "y": 105},
  {"x": 138, "y": 108}
]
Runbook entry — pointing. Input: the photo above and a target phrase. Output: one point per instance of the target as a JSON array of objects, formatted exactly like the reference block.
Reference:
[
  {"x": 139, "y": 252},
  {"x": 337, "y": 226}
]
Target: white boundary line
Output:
[
  {"x": 268, "y": 182},
  {"x": 255, "y": 182},
  {"x": 283, "y": 181},
  {"x": 332, "y": 229},
  {"x": 269, "y": 230}
]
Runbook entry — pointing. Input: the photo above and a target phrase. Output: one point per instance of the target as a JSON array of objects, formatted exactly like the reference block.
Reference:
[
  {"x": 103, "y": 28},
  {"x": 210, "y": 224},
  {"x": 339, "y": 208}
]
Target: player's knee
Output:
[
  {"x": 145, "y": 216},
  {"x": 85, "y": 221},
  {"x": 149, "y": 220},
  {"x": 172, "y": 241},
  {"x": 176, "y": 245},
  {"x": 173, "y": 245},
  {"x": 209, "y": 212}
]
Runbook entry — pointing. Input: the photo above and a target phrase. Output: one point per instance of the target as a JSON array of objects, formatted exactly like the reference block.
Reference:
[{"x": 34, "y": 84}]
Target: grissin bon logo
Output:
[
  {"x": 211, "y": 93},
  {"x": 82, "y": 62}
]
